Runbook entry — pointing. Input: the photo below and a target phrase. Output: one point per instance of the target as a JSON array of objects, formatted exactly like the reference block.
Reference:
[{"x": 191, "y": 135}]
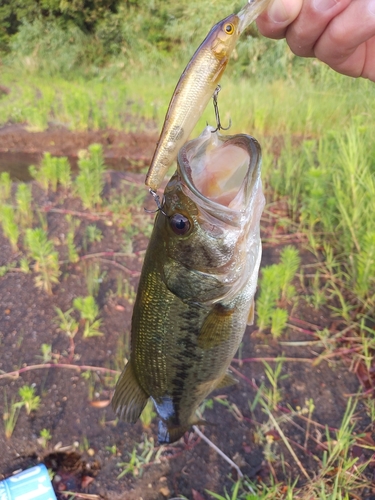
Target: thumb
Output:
[{"x": 274, "y": 21}]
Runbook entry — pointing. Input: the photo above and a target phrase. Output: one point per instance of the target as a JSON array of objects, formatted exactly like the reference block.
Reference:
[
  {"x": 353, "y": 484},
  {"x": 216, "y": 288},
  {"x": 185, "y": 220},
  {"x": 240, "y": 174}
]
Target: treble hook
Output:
[
  {"x": 158, "y": 204},
  {"x": 217, "y": 115}
]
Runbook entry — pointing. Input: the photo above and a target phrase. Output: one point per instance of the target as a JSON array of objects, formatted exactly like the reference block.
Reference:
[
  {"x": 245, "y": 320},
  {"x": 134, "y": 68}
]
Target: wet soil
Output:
[{"x": 87, "y": 443}]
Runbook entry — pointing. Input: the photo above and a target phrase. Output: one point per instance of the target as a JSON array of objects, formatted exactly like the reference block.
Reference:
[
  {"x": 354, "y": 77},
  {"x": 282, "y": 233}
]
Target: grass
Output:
[
  {"x": 5, "y": 187},
  {"x": 24, "y": 210},
  {"x": 89, "y": 182},
  {"x": 51, "y": 172},
  {"x": 89, "y": 312},
  {"x": 9, "y": 225},
  {"x": 29, "y": 399},
  {"x": 46, "y": 264},
  {"x": 44, "y": 436},
  {"x": 341, "y": 473},
  {"x": 140, "y": 457},
  {"x": 10, "y": 415},
  {"x": 276, "y": 289}
]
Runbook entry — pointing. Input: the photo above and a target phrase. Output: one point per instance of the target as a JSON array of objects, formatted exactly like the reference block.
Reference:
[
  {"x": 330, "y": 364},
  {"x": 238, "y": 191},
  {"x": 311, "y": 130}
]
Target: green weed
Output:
[
  {"x": 29, "y": 399},
  {"x": 125, "y": 289},
  {"x": 73, "y": 255},
  {"x": 141, "y": 455},
  {"x": 24, "y": 210},
  {"x": 275, "y": 288},
  {"x": 112, "y": 449},
  {"x": 46, "y": 258},
  {"x": 93, "y": 276},
  {"x": 66, "y": 323},
  {"x": 227, "y": 496},
  {"x": 92, "y": 235},
  {"x": 10, "y": 416},
  {"x": 9, "y": 225},
  {"x": 273, "y": 395},
  {"x": 317, "y": 296},
  {"x": 73, "y": 225},
  {"x": 44, "y": 436},
  {"x": 24, "y": 265},
  {"x": 8, "y": 267},
  {"x": 90, "y": 379},
  {"x": 52, "y": 171},
  {"x": 5, "y": 187},
  {"x": 89, "y": 312},
  {"x": 3, "y": 270},
  {"x": 46, "y": 350},
  {"x": 89, "y": 182},
  {"x": 279, "y": 318}
]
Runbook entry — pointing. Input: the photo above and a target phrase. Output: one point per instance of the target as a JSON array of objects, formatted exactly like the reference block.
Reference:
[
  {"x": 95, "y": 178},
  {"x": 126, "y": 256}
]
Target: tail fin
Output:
[
  {"x": 167, "y": 435},
  {"x": 170, "y": 433},
  {"x": 129, "y": 398}
]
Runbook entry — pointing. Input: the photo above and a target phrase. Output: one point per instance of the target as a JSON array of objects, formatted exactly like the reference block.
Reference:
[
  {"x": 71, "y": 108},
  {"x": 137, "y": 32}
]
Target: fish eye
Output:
[
  {"x": 180, "y": 224},
  {"x": 229, "y": 28}
]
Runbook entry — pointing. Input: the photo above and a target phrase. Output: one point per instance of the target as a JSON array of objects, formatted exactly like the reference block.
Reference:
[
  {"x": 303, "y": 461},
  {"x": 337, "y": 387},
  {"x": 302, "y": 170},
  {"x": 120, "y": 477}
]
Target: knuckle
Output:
[
  {"x": 298, "y": 42},
  {"x": 338, "y": 34}
]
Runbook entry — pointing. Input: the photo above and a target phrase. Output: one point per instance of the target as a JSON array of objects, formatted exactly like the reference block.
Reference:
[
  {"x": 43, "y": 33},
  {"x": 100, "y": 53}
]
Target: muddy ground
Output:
[{"x": 87, "y": 444}]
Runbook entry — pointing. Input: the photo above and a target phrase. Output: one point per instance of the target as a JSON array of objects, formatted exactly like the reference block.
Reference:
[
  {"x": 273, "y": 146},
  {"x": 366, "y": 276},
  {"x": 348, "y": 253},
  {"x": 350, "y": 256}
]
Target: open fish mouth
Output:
[{"x": 222, "y": 173}]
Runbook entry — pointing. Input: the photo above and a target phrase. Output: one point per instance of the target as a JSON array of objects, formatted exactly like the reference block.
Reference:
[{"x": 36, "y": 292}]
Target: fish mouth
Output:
[
  {"x": 251, "y": 10},
  {"x": 221, "y": 173}
]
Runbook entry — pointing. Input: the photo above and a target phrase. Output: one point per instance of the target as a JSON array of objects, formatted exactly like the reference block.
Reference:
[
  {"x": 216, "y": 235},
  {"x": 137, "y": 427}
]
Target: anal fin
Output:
[{"x": 129, "y": 398}]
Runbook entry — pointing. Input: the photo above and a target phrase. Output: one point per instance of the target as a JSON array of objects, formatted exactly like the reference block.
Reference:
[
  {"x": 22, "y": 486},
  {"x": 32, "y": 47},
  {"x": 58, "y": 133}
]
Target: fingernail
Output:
[
  {"x": 277, "y": 12},
  {"x": 323, "y": 5}
]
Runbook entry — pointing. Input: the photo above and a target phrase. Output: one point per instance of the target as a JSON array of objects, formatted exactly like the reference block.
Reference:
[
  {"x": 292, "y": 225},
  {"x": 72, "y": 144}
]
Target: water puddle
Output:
[
  {"x": 127, "y": 152},
  {"x": 17, "y": 164}
]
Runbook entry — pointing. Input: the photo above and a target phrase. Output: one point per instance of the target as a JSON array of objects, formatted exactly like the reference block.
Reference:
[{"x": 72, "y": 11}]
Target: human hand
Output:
[{"x": 340, "y": 33}]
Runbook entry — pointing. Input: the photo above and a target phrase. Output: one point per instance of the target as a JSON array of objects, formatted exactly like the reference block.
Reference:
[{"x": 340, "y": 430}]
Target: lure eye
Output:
[
  {"x": 229, "y": 28},
  {"x": 180, "y": 224}
]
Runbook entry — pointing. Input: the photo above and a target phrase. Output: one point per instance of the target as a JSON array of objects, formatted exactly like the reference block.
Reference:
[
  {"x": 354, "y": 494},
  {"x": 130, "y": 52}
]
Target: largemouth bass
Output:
[
  {"x": 197, "y": 284},
  {"x": 196, "y": 86}
]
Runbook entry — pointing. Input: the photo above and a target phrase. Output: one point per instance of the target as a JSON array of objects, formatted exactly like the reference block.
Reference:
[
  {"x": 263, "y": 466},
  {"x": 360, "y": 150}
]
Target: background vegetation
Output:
[{"x": 100, "y": 63}]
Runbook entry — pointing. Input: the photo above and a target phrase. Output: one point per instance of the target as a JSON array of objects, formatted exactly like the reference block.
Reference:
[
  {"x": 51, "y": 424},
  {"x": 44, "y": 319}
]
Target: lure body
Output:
[
  {"x": 196, "y": 86},
  {"x": 198, "y": 282}
]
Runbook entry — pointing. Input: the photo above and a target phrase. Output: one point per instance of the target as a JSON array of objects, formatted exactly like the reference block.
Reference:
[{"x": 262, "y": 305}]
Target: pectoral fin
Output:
[
  {"x": 216, "y": 328},
  {"x": 129, "y": 398},
  {"x": 226, "y": 381},
  {"x": 250, "y": 318}
]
